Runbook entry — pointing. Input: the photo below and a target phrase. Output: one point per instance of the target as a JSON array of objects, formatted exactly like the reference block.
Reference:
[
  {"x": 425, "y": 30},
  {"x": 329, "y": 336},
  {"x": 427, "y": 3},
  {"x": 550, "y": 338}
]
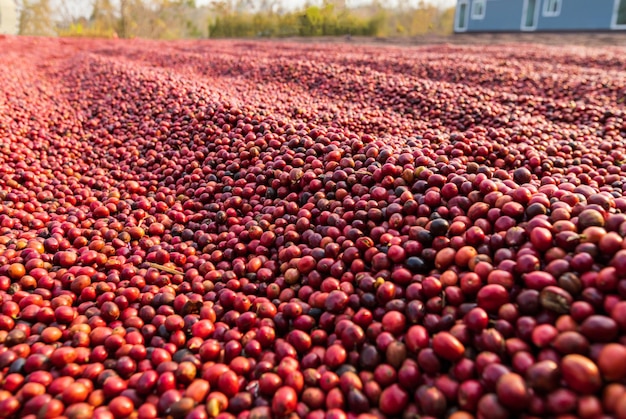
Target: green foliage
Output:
[
  {"x": 79, "y": 29},
  {"x": 173, "y": 19},
  {"x": 330, "y": 20}
]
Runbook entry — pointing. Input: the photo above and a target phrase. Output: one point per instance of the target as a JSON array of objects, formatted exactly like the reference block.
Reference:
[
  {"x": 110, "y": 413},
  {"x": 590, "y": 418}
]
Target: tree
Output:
[
  {"x": 269, "y": 6},
  {"x": 137, "y": 19},
  {"x": 104, "y": 17},
  {"x": 445, "y": 22},
  {"x": 423, "y": 19},
  {"x": 36, "y": 18},
  {"x": 174, "y": 19},
  {"x": 311, "y": 22}
]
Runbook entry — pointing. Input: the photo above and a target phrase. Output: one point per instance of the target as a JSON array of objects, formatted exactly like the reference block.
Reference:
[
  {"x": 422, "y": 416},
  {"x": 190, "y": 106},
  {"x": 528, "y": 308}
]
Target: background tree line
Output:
[{"x": 175, "y": 19}]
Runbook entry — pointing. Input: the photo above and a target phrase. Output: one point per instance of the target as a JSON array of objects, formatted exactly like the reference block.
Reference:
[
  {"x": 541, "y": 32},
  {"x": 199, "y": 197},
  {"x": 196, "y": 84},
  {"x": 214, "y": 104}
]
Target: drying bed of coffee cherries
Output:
[{"x": 247, "y": 230}]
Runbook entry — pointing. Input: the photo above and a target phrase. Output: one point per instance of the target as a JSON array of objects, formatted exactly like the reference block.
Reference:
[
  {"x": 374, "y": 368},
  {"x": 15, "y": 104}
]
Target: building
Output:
[
  {"x": 539, "y": 15},
  {"x": 8, "y": 17}
]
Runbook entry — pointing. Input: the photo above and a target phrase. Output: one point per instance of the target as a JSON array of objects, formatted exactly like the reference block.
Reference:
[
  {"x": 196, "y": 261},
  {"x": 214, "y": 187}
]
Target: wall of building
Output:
[
  {"x": 8, "y": 17},
  {"x": 506, "y": 16},
  {"x": 500, "y": 15},
  {"x": 579, "y": 15}
]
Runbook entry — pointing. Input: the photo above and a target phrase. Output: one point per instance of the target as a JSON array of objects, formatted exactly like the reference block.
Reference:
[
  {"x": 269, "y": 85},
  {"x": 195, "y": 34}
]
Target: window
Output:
[
  {"x": 619, "y": 15},
  {"x": 529, "y": 15},
  {"x": 551, "y": 8},
  {"x": 478, "y": 9},
  {"x": 460, "y": 24}
]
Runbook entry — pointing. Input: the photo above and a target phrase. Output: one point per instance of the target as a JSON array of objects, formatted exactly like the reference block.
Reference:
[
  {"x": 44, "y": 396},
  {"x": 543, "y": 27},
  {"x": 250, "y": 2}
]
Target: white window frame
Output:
[
  {"x": 457, "y": 28},
  {"x": 523, "y": 26},
  {"x": 475, "y": 14},
  {"x": 551, "y": 13},
  {"x": 614, "y": 24}
]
